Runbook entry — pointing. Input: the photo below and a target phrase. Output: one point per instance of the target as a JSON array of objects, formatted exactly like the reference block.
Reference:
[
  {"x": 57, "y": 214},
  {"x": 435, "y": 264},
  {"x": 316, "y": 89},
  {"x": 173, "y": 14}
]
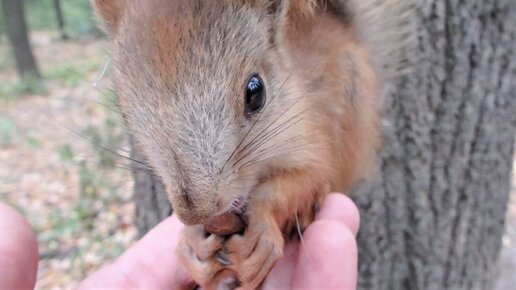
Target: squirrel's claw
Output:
[
  {"x": 198, "y": 254},
  {"x": 253, "y": 254}
]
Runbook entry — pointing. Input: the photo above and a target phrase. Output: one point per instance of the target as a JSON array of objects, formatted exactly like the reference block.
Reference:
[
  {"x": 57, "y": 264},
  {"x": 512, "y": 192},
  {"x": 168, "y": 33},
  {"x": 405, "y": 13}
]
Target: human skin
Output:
[
  {"x": 326, "y": 258},
  {"x": 18, "y": 251}
]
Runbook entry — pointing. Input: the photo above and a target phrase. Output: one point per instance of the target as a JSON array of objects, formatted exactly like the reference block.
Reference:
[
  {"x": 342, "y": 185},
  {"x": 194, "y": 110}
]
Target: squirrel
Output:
[{"x": 254, "y": 109}]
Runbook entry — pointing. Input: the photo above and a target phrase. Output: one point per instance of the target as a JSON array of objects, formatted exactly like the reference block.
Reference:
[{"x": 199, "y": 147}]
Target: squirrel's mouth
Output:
[{"x": 231, "y": 221}]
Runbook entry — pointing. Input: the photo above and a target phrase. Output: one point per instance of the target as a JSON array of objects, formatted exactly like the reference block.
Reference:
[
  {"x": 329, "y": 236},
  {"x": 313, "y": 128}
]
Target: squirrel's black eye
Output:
[{"x": 254, "y": 95}]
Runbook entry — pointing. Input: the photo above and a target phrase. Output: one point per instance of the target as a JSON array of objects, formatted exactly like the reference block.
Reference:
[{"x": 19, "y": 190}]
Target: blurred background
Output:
[
  {"x": 63, "y": 147},
  {"x": 55, "y": 128}
]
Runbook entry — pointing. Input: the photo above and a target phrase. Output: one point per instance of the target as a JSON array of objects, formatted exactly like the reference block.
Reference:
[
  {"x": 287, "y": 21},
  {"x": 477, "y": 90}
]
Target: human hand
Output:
[
  {"x": 18, "y": 251},
  {"x": 327, "y": 259}
]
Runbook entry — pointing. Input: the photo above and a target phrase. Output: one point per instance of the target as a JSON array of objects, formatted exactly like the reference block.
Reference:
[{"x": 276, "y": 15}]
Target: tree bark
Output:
[
  {"x": 433, "y": 216},
  {"x": 17, "y": 31},
  {"x": 151, "y": 201}
]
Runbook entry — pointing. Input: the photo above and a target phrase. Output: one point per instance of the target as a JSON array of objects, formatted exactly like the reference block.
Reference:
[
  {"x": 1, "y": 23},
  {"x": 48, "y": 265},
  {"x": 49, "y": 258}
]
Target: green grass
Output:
[
  {"x": 7, "y": 131},
  {"x": 71, "y": 74},
  {"x": 79, "y": 217},
  {"x": 14, "y": 90},
  {"x": 65, "y": 152},
  {"x": 32, "y": 143}
]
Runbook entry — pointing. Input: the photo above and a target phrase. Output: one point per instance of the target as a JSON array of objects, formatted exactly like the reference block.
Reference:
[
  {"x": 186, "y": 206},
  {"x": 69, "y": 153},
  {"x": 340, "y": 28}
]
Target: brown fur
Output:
[
  {"x": 110, "y": 11},
  {"x": 181, "y": 70}
]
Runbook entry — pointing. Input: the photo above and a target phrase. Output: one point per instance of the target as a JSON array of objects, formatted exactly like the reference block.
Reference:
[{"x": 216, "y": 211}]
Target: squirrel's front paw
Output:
[
  {"x": 200, "y": 253},
  {"x": 253, "y": 254}
]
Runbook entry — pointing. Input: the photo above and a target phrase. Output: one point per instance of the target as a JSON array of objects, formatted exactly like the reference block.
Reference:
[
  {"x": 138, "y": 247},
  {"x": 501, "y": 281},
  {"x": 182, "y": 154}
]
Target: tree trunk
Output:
[
  {"x": 17, "y": 31},
  {"x": 152, "y": 205},
  {"x": 60, "y": 19},
  {"x": 433, "y": 216}
]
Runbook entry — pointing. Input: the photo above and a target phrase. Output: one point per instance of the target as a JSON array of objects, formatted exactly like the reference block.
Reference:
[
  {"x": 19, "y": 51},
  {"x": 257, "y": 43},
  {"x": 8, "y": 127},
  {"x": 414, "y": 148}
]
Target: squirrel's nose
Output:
[
  {"x": 193, "y": 208},
  {"x": 187, "y": 198}
]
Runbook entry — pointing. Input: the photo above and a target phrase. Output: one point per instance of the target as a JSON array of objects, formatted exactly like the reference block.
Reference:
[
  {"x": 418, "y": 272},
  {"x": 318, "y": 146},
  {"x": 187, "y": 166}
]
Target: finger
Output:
[
  {"x": 281, "y": 274},
  {"x": 151, "y": 263},
  {"x": 341, "y": 208},
  {"x": 329, "y": 258},
  {"x": 18, "y": 251}
]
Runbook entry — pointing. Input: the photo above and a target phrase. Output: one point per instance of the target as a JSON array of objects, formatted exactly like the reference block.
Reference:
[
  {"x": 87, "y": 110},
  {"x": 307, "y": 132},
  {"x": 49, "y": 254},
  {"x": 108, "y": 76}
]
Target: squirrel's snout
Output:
[
  {"x": 193, "y": 211},
  {"x": 192, "y": 216}
]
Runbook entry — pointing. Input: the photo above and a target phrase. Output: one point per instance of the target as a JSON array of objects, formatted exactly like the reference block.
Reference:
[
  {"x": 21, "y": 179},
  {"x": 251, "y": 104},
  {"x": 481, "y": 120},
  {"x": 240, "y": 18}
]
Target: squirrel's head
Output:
[{"x": 205, "y": 91}]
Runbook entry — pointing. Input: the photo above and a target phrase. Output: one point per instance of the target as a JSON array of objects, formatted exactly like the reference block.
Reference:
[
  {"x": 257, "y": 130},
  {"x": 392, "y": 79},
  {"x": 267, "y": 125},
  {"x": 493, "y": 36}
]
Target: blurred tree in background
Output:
[
  {"x": 60, "y": 19},
  {"x": 71, "y": 19},
  {"x": 16, "y": 28}
]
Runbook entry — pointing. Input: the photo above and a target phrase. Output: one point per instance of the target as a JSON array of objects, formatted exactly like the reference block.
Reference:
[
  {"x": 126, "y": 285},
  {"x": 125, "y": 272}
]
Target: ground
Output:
[
  {"x": 76, "y": 195},
  {"x": 56, "y": 170}
]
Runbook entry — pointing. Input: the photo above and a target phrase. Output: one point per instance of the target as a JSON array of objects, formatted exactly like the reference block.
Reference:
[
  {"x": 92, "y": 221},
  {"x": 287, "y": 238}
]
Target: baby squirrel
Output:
[{"x": 250, "y": 108}]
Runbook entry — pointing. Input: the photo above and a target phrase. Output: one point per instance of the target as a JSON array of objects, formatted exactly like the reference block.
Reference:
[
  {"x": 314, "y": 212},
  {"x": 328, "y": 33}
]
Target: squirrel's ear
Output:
[
  {"x": 286, "y": 13},
  {"x": 303, "y": 8},
  {"x": 109, "y": 11},
  {"x": 294, "y": 8}
]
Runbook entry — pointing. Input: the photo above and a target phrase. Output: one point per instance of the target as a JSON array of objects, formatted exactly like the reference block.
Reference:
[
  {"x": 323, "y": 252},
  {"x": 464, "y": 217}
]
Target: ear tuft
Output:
[
  {"x": 109, "y": 11},
  {"x": 387, "y": 27},
  {"x": 303, "y": 7}
]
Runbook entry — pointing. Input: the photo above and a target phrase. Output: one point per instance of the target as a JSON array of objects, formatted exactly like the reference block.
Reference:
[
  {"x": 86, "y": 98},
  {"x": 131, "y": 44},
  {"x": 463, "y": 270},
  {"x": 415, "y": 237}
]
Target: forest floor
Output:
[
  {"x": 75, "y": 194},
  {"x": 54, "y": 170}
]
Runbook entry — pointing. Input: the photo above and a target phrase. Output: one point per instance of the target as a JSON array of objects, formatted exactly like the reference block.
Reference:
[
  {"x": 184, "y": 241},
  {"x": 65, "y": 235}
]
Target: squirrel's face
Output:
[{"x": 205, "y": 92}]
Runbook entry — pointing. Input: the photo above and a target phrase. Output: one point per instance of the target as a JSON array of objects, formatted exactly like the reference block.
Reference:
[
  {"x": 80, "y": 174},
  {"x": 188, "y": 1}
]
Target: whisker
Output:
[
  {"x": 273, "y": 133},
  {"x": 256, "y": 121},
  {"x": 103, "y": 147},
  {"x": 112, "y": 109},
  {"x": 296, "y": 149},
  {"x": 298, "y": 227},
  {"x": 271, "y": 146},
  {"x": 272, "y": 123},
  {"x": 95, "y": 83},
  {"x": 288, "y": 141}
]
